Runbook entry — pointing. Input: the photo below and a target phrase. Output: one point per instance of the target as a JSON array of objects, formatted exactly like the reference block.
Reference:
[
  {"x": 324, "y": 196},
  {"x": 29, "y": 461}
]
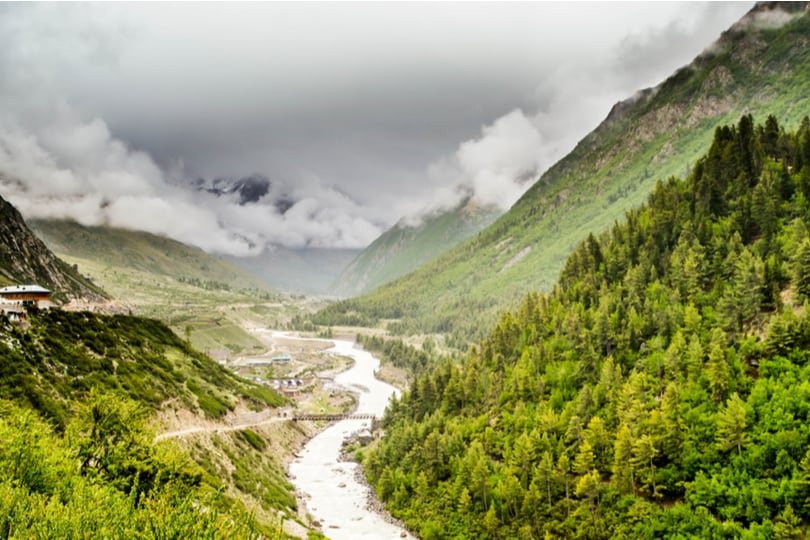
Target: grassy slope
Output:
[
  {"x": 63, "y": 355},
  {"x": 64, "y": 358},
  {"x": 610, "y": 171},
  {"x": 164, "y": 279},
  {"x": 403, "y": 248},
  {"x": 143, "y": 252}
]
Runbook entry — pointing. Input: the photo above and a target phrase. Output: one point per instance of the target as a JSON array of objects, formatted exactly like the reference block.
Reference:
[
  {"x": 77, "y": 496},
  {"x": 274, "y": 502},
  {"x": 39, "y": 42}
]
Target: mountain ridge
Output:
[
  {"x": 657, "y": 133},
  {"x": 142, "y": 251},
  {"x": 405, "y": 246}
]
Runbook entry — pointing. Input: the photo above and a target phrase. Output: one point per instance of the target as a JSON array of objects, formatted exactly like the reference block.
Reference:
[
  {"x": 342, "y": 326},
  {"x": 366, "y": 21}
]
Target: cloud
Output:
[
  {"x": 79, "y": 171},
  {"x": 319, "y": 217},
  {"x": 492, "y": 170},
  {"x": 59, "y": 162},
  {"x": 110, "y": 111},
  {"x": 769, "y": 16}
]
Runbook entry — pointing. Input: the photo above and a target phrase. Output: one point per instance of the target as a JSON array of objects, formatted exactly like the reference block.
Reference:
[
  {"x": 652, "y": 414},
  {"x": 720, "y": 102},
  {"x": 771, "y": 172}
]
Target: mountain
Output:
[
  {"x": 244, "y": 190},
  {"x": 82, "y": 394},
  {"x": 761, "y": 65},
  {"x": 144, "y": 252},
  {"x": 298, "y": 270},
  {"x": 24, "y": 259},
  {"x": 405, "y": 246},
  {"x": 659, "y": 390}
]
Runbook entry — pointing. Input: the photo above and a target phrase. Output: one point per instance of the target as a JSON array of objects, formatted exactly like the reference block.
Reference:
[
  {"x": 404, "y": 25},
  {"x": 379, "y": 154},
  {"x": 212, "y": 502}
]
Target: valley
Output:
[
  {"x": 623, "y": 353},
  {"x": 656, "y": 134}
]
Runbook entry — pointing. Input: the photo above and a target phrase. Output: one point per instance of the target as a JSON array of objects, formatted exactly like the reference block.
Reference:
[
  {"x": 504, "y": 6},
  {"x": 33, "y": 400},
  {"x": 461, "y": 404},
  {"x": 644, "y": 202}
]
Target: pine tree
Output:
[
  {"x": 491, "y": 522},
  {"x": 801, "y": 270},
  {"x": 731, "y": 425},
  {"x": 585, "y": 458},
  {"x": 588, "y": 487},
  {"x": 717, "y": 365},
  {"x": 563, "y": 471},
  {"x": 643, "y": 454},
  {"x": 622, "y": 460},
  {"x": 787, "y": 525},
  {"x": 544, "y": 473}
]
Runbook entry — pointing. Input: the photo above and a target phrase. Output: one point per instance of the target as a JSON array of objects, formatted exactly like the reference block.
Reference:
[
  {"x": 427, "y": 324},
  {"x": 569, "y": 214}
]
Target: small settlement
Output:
[
  {"x": 287, "y": 383},
  {"x": 16, "y": 300}
]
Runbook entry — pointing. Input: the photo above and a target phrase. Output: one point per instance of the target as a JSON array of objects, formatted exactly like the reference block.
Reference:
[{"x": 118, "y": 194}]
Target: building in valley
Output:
[{"x": 16, "y": 299}]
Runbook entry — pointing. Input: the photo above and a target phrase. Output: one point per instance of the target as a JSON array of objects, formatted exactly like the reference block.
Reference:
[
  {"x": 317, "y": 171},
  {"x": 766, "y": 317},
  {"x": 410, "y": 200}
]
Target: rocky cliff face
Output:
[{"x": 24, "y": 258}]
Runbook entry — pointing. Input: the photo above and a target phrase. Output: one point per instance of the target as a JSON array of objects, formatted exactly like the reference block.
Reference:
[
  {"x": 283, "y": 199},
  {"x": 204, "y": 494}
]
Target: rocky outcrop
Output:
[{"x": 24, "y": 258}]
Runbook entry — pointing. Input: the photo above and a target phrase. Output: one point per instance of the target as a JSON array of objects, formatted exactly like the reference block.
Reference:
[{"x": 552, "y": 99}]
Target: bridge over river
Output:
[{"x": 334, "y": 417}]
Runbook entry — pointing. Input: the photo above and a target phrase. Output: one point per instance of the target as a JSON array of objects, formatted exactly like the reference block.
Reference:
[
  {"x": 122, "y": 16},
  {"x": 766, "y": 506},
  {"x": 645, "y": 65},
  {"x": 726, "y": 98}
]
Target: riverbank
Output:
[
  {"x": 374, "y": 504},
  {"x": 332, "y": 492}
]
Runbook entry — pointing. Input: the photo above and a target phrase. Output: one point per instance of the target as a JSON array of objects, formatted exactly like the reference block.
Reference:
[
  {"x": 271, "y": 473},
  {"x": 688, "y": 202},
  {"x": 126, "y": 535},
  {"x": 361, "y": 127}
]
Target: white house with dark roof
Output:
[{"x": 25, "y": 296}]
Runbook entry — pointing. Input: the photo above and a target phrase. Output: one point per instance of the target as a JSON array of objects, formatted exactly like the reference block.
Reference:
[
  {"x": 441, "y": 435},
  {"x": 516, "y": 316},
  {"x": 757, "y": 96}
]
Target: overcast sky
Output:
[{"x": 362, "y": 113}]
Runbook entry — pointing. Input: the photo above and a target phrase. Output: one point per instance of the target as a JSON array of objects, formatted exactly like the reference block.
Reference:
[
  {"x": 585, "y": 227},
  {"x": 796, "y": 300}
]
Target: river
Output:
[{"x": 332, "y": 495}]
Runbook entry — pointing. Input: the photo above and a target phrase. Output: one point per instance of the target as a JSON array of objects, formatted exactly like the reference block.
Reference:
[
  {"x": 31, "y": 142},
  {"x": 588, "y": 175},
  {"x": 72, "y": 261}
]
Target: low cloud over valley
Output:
[{"x": 357, "y": 115}]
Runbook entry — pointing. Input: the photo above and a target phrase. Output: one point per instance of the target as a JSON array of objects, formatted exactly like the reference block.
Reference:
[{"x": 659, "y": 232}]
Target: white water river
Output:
[{"x": 318, "y": 473}]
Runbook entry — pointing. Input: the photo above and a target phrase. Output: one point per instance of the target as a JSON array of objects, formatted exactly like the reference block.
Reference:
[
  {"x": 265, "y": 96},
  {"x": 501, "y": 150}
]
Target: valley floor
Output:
[{"x": 320, "y": 393}]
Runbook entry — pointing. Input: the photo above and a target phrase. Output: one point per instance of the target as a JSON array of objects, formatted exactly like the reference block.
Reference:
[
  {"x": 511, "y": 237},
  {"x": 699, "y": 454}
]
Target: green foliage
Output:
[
  {"x": 253, "y": 439},
  {"x": 254, "y": 473},
  {"x": 398, "y": 353},
  {"x": 121, "y": 486},
  {"x": 98, "y": 379},
  {"x": 64, "y": 355},
  {"x": 659, "y": 390}
]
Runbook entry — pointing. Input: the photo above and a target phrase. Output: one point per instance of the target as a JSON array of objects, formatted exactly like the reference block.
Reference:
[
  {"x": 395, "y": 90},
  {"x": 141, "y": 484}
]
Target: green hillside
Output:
[
  {"x": 658, "y": 133},
  {"x": 79, "y": 392},
  {"x": 161, "y": 278},
  {"x": 143, "y": 252},
  {"x": 660, "y": 390},
  {"x": 63, "y": 355},
  {"x": 405, "y": 247}
]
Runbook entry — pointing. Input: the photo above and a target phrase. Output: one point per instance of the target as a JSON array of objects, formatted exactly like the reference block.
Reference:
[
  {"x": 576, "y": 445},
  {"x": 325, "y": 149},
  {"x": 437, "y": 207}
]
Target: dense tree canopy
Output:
[{"x": 661, "y": 389}]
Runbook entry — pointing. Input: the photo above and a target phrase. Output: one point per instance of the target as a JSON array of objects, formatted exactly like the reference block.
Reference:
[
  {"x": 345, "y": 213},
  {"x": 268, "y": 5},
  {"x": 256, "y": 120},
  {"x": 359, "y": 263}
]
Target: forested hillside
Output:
[
  {"x": 661, "y": 389},
  {"x": 77, "y": 454},
  {"x": 54, "y": 363},
  {"x": 761, "y": 65}
]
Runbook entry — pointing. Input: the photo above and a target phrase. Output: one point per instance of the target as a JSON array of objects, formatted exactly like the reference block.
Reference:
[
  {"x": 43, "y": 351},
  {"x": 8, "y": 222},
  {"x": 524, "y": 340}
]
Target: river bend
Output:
[{"x": 332, "y": 495}]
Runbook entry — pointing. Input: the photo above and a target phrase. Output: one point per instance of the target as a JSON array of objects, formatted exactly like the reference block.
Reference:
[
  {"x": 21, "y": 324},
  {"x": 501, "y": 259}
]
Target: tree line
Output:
[{"x": 662, "y": 388}]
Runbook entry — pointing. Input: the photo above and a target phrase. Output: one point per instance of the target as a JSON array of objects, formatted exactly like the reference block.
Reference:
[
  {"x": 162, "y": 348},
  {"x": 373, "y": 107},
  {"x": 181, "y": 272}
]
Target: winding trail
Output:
[{"x": 235, "y": 425}]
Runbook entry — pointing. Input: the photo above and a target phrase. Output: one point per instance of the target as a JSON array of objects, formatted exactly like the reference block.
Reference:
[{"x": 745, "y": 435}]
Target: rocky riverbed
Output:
[{"x": 333, "y": 491}]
